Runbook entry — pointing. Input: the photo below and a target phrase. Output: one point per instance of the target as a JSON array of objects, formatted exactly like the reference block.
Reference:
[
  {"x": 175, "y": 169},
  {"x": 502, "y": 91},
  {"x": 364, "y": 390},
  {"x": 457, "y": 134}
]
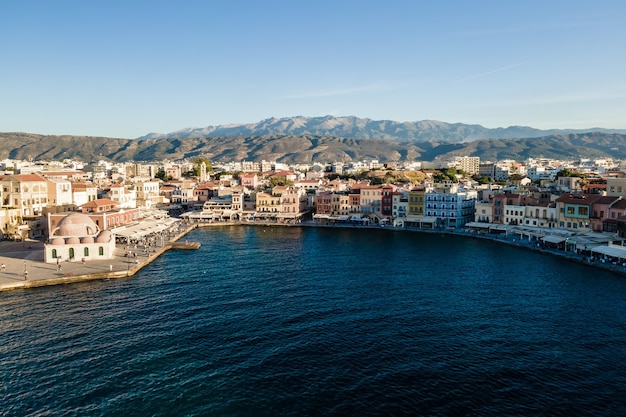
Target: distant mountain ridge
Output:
[
  {"x": 362, "y": 128},
  {"x": 305, "y": 148}
]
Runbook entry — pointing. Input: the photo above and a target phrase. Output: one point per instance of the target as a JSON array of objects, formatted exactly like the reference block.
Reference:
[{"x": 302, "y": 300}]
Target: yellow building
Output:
[{"x": 416, "y": 201}]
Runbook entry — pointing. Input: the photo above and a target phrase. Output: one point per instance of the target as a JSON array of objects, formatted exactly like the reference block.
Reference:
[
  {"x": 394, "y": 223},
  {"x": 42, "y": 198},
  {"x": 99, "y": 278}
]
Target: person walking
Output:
[{"x": 3, "y": 267}]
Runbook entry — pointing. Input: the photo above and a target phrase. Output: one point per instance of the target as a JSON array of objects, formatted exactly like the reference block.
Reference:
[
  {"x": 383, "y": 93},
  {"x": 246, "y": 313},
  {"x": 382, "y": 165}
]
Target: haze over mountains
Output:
[{"x": 326, "y": 139}]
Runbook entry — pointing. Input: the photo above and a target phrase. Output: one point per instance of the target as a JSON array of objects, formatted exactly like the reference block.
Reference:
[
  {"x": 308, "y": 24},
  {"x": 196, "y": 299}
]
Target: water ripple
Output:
[{"x": 297, "y": 322}]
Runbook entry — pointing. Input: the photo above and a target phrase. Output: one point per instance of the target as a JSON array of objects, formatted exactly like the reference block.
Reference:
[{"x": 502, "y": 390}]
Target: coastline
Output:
[{"x": 28, "y": 256}]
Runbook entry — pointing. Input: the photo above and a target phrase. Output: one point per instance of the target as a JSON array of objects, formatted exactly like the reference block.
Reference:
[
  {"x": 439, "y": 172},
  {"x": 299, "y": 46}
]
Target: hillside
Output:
[{"x": 304, "y": 148}]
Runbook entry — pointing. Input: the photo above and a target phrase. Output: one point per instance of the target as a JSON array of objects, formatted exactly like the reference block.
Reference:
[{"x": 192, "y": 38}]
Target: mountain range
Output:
[
  {"x": 358, "y": 128},
  {"x": 326, "y": 139}
]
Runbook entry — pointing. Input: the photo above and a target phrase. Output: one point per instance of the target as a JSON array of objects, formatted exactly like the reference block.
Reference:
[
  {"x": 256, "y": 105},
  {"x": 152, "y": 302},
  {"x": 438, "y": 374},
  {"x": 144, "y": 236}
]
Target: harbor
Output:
[{"x": 23, "y": 266}]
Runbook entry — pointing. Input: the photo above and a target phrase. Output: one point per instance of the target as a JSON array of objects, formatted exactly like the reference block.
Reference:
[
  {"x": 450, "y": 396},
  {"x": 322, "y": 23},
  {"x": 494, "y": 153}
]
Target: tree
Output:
[
  {"x": 449, "y": 174},
  {"x": 195, "y": 170},
  {"x": 198, "y": 161},
  {"x": 481, "y": 179},
  {"x": 162, "y": 176},
  {"x": 569, "y": 173},
  {"x": 276, "y": 181}
]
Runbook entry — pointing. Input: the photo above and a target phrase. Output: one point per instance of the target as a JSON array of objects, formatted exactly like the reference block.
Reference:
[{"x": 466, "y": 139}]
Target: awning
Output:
[
  {"x": 612, "y": 250},
  {"x": 502, "y": 227},
  {"x": 478, "y": 225},
  {"x": 554, "y": 239},
  {"x": 287, "y": 215},
  {"x": 343, "y": 218},
  {"x": 141, "y": 229},
  {"x": 421, "y": 219}
]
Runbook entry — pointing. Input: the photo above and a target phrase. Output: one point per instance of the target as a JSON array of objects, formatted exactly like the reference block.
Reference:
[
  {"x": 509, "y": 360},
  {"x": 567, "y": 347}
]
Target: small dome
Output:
[
  {"x": 72, "y": 241},
  {"x": 87, "y": 239},
  {"x": 58, "y": 241},
  {"x": 77, "y": 225},
  {"x": 104, "y": 236}
]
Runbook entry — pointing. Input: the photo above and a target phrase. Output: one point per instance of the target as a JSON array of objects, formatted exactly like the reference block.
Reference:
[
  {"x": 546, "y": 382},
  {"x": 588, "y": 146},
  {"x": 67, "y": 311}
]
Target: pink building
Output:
[{"x": 249, "y": 180}]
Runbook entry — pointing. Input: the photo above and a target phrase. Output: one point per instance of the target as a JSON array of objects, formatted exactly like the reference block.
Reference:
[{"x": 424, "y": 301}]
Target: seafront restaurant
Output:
[
  {"x": 142, "y": 230},
  {"x": 486, "y": 228},
  {"x": 209, "y": 216},
  {"x": 343, "y": 219},
  {"x": 615, "y": 254},
  {"x": 420, "y": 222},
  {"x": 290, "y": 218},
  {"x": 582, "y": 243}
]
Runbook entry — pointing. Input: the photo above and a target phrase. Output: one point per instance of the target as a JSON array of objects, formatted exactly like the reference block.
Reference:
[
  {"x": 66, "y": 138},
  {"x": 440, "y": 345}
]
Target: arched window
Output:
[
  {"x": 86, "y": 252},
  {"x": 101, "y": 251},
  {"x": 54, "y": 253},
  {"x": 71, "y": 253}
]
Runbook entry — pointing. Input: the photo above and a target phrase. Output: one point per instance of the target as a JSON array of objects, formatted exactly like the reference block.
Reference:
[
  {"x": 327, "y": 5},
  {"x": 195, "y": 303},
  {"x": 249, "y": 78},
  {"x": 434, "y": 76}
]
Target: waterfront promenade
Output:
[
  {"x": 19, "y": 257},
  {"x": 28, "y": 256}
]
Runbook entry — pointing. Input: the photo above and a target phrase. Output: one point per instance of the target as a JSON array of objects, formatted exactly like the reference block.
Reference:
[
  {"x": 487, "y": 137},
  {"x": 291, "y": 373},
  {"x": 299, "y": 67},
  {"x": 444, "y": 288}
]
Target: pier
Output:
[{"x": 185, "y": 245}]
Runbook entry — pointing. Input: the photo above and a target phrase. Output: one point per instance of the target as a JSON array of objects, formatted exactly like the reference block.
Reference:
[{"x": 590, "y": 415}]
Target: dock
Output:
[{"x": 185, "y": 245}]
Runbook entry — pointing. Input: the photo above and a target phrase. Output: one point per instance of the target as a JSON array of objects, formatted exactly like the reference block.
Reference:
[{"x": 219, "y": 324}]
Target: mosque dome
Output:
[
  {"x": 104, "y": 236},
  {"x": 87, "y": 239},
  {"x": 76, "y": 225},
  {"x": 58, "y": 241},
  {"x": 72, "y": 241}
]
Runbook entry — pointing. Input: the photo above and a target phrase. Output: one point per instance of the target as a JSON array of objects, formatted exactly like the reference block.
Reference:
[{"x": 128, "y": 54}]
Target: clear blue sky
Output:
[{"x": 126, "y": 68}]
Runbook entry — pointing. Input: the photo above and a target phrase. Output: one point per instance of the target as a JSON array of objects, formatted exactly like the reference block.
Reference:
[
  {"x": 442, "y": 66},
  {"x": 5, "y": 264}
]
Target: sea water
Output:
[{"x": 289, "y": 321}]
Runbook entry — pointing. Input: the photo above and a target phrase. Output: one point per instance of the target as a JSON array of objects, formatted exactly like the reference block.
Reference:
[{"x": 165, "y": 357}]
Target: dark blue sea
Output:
[{"x": 322, "y": 322}]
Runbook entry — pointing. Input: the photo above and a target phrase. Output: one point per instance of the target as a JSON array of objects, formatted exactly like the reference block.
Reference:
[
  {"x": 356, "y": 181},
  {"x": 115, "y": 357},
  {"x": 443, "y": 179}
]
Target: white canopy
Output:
[
  {"x": 554, "y": 239},
  {"x": 478, "y": 225},
  {"x": 421, "y": 219},
  {"x": 612, "y": 250}
]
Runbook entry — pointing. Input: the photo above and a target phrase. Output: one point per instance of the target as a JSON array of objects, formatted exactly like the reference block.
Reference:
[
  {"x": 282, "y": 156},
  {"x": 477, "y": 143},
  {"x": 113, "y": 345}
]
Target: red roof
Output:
[
  {"x": 100, "y": 202},
  {"x": 27, "y": 177},
  {"x": 582, "y": 199}
]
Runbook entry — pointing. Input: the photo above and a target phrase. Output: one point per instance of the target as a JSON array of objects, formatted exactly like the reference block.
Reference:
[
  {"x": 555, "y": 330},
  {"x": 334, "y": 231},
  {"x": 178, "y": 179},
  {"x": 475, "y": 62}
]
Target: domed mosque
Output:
[{"x": 77, "y": 237}]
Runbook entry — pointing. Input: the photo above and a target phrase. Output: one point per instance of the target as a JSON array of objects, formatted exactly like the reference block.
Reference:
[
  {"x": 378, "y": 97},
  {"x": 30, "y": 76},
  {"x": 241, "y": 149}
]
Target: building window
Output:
[
  {"x": 71, "y": 252},
  {"x": 54, "y": 253},
  {"x": 86, "y": 252}
]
